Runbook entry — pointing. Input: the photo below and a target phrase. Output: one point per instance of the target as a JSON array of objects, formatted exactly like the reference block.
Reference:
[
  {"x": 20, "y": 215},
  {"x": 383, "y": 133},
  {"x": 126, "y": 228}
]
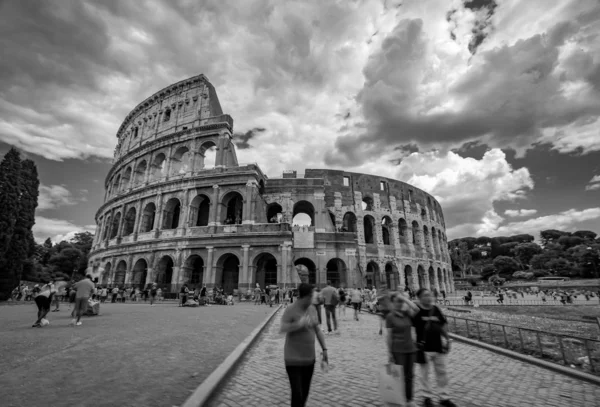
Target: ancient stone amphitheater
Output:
[{"x": 179, "y": 208}]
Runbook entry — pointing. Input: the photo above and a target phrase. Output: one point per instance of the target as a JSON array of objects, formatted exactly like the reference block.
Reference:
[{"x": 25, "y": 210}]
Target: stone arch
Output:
[
  {"x": 434, "y": 240},
  {"x": 120, "y": 273},
  {"x": 304, "y": 264},
  {"x": 349, "y": 222},
  {"x": 116, "y": 184},
  {"x": 200, "y": 210},
  {"x": 139, "y": 175},
  {"x": 148, "y": 217},
  {"x": 369, "y": 229},
  {"x": 416, "y": 232},
  {"x": 392, "y": 276},
  {"x": 107, "y": 228},
  {"x": 408, "y": 277},
  {"x": 373, "y": 278},
  {"x": 265, "y": 266},
  {"x": 426, "y": 241},
  {"x": 228, "y": 272},
  {"x": 158, "y": 168},
  {"x": 180, "y": 161},
  {"x": 164, "y": 272},
  {"x": 402, "y": 230},
  {"x": 129, "y": 220},
  {"x": 114, "y": 230},
  {"x": 421, "y": 274},
  {"x": 140, "y": 273},
  {"x": 106, "y": 274},
  {"x": 431, "y": 276},
  {"x": 194, "y": 270},
  {"x": 126, "y": 179},
  {"x": 441, "y": 279},
  {"x": 386, "y": 230},
  {"x": 274, "y": 213},
  {"x": 304, "y": 211},
  {"x": 423, "y": 215},
  {"x": 367, "y": 203},
  {"x": 232, "y": 208},
  {"x": 337, "y": 272},
  {"x": 208, "y": 154},
  {"x": 172, "y": 213}
]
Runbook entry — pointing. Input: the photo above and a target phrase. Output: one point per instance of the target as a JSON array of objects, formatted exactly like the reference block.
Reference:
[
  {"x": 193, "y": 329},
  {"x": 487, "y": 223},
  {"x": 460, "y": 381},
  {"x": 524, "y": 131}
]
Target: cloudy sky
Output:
[{"x": 493, "y": 106}]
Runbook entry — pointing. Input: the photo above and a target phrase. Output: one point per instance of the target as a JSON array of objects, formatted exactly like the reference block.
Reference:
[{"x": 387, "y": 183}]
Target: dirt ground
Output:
[{"x": 131, "y": 354}]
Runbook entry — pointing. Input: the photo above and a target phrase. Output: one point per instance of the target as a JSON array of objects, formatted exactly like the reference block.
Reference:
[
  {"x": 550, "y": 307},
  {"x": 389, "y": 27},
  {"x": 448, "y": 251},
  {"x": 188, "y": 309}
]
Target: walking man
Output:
[
  {"x": 84, "y": 289},
  {"x": 356, "y": 299},
  {"x": 317, "y": 300},
  {"x": 331, "y": 299},
  {"x": 300, "y": 325}
]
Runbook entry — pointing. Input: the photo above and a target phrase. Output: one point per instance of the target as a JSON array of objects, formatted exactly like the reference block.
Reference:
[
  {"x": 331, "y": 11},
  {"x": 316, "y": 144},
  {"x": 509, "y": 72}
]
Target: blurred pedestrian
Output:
[{"x": 84, "y": 289}]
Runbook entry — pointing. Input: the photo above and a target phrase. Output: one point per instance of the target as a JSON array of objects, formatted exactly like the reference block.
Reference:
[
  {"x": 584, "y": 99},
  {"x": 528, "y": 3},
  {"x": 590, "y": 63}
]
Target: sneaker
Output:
[
  {"x": 79, "y": 323},
  {"x": 447, "y": 403},
  {"x": 427, "y": 402},
  {"x": 36, "y": 325},
  {"x": 73, "y": 321}
]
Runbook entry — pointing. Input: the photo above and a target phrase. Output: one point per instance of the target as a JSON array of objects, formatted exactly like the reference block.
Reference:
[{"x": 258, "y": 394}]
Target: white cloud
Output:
[
  {"x": 570, "y": 220},
  {"x": 57, "y": 229},
  {"x": 593, "y": 184},
  {"x": 514, "y": 213},
  {"x": 54, "y": 196}
]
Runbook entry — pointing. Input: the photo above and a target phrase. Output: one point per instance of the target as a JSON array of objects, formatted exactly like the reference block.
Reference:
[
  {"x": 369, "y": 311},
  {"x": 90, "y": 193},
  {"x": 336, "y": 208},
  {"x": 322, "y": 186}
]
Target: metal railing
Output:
[
  {"x": 549, "y": 301},
  {"x": 580, "y": 352}
]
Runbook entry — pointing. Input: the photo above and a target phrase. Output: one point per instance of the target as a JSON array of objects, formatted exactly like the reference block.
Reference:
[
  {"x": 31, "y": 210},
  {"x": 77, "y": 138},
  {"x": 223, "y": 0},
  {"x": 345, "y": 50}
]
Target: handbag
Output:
[
  {"x": 391, "y": 385},
  {"x": 421, "y": 358}
]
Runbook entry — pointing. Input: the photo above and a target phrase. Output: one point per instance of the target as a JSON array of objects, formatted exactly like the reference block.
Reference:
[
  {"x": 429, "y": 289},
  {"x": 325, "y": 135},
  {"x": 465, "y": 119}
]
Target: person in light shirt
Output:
[{"x": 84, "y": 291}]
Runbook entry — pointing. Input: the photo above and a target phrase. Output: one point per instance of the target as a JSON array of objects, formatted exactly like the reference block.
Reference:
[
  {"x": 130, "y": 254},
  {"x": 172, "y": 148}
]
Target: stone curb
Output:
[
  {"x": 530, "y": 359},
  {"x": 208, "y": 387}
]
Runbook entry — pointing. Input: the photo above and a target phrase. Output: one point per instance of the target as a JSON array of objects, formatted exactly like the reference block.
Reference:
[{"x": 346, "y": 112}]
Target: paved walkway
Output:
[{"x": 479, "y": 378}]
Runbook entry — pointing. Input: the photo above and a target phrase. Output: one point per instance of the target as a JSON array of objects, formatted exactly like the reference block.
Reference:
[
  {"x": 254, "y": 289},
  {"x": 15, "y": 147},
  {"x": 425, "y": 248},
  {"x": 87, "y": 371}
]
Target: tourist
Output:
[
  {"x": 331, "y": 300},
  {"x": 115, "y": 293},
  {"x": 184, "y": 294},
  {"x": 356, "y": 299},
  {"x": 277, "y": 295},
  {"x": 203, "y": 295},
  {"x": 399, "y": 339},
  {"x": 84, "y": 291},
  {"x": 268, "y": 296},
  {"x": 43, "y": 300},
  {"x": 257, "y": 294},
  {"x": 146, "y": 293},
  {"x": 500, "y": 299},
  {"x": 317, "y": 300},
  {"x": 159, "y": 294},
  {"x": 54, "y": 295},
  {"x": 153, "y": 293},
  {"x": 300, "y": 325},
  {"x": 434, "y": 344},
  {"x": 103, "y": 294},
  {"x": 342, "y": 295}
]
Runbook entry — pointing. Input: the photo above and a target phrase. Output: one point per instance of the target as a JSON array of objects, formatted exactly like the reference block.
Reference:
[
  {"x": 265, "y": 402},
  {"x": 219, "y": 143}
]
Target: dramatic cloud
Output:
[
  {"x": 594, "y": 183},
  {"x": 57, "y": 229},
  {"x": 55, "y": 196},
  {"x": 516, "y": 213},
  {"x": 570, "y": 220},
  {"x": 241, "y": 139}
]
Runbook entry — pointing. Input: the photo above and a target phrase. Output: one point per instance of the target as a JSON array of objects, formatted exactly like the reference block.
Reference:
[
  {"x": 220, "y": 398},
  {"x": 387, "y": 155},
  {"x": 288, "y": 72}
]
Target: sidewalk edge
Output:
[
  {"x": 530, "y": 359},
  {"x": 207, "y": 388}
]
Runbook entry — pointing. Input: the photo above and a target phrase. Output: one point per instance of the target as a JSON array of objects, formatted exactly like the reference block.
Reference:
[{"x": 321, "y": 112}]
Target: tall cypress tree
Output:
[{"x": 10, "y": 180}]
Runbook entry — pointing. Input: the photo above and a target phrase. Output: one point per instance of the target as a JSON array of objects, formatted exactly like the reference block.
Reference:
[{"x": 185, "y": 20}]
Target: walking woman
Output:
[{"x": 401, "y": 347}]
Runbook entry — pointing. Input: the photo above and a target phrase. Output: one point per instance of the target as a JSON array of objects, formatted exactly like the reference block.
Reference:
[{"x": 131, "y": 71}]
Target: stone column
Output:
[
  {"x": 159, "y": 213},
  {"x": 436, "y": 283},
  {"x": 245, "y": 277},
  {"x": 150, "y": 270},
  {"x": 148, "y": 170},
  {"x": 415, "y": 279},
  {"x": 121, "y": 223},
  {"x": 247, "y": 212},
  {"x": 282, "y": 275},
  {"x": 129, "y": 271},
  {"x": 321, "y": 212},
  {"x": 113, "y": 270},
  {"x": 214, "y": 205},
  {"x": 209, "y": 276},
  {"x": 169, "y": 160},
  {"x": 132, "y": 177},
  {"x": 138, "y": 217},
  {"x": 426, "y": 279}
]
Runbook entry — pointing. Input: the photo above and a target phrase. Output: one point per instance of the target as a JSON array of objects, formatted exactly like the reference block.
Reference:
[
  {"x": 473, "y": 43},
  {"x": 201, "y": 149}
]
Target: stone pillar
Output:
[
  {"x": 132, "y": 177},
  {"x": 209, "y": 276},
  {"x": 427, "y": 282},
  {"x": 148, "y": 170},
  {"x": 185, "y": 211},
  {"x": 121, "y": 222},
  {"x": 158, "y": 217},
  {"x": 247, "y": 215},
  {"x": 282, "y": 275},
  {"x": 150, "y": 270},
  {"x": 415, "y": 279},
  {"x": 214, "y": 206},
  {"x": 220, "y": 159},
  {"x": 138, "y": 217},
  {"x": 169, "y": 161},
  {"x": 245, "y": 282},
  {"x": 436, "y": 283},
  {"x": 321, "y": 212}
]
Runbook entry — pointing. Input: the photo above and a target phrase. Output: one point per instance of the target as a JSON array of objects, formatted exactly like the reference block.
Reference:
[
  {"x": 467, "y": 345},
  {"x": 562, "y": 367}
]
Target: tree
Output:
[
  {"x": 585, "y": 234},
  {"x": 487, "y": 271},
  {"x": 83, "y": 241},
  {"x": 10, "y": 171},
  {"x": 525, "y": 251},
  {"x": 66, "y": 261},
  {"x": 587, "y": 257},
  {"x": 505, "y": 265},
  {"x": 569, "y": 241},
  {"x": 551, "y": 235},
  {"x": 459, "y": 253}
]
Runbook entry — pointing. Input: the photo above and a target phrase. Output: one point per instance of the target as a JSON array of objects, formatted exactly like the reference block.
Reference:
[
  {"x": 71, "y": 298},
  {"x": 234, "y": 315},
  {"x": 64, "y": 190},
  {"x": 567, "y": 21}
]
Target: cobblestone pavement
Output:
[
  {"x": 130, "y": 355},
  {"x": 478, "y": 378}
]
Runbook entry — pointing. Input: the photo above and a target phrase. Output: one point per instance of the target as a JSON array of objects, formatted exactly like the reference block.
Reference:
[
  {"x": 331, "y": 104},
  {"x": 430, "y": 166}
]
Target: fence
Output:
[
  {"x": 583, "y": 353},
  {"x": 493, "y": 301}
]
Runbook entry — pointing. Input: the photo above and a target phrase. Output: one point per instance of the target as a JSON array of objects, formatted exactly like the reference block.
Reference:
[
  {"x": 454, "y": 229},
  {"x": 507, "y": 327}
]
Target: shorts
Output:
[
  {"x": 42, "y": 302},
  {"x": 356, "y": 305},
  {"x": 81, "y": 305}
]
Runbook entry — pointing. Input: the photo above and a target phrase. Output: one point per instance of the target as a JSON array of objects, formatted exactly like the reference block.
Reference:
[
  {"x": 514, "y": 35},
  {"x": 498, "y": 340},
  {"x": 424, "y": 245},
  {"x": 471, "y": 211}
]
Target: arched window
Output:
[
  {"x": 426, "y": 238},
  {"x": 367, "y": 203},
  {"x": 140, "y": 173},
  {"x": 125, "y": 181},
  {"x": 423, "y": 214},
  {"x": 107, "y": 228},
  {"x": 208, "y": 154},
  {"x": 305, "y": 265},
  {"x": 369, "y": 225},
  {"x": 373, "y": 275},
  {"x": 171, "y": 214},
  {"x": 129, "y": 222},
  {"x": 195, "y": 264},
  {"x": 120, "y": 274},
  {"x": 336, "y": 272},
  {"x": 115, "y": 225},
  {"x": 158, "y": 170},
  {"x": 164, "y": 273},
  {"x": 266, "y": 270},
  {"x": 180, "y": 161},
  {"x": 148, "y": 218},
  {"x": 200, "y": 213},
  {"x": 232, "y": 209},
  {"x": 228, "y": 266},
  {"x": 304, "y": 214},
  {"x": 416, "y": 232},
  {"x": 386, "y": 229},
  {"x": 274, "y": 213},
  {"x": 140, "y": 273},
  {"x": 116, "y": 184},
  {"x": 402, "y": 229},
  {"x": 349, "y": 222}
]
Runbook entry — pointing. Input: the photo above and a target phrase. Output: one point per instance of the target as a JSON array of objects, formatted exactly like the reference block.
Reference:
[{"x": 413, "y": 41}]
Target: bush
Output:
[
  {"x": 523, "y": 275},
  {"x": 541, "y": 273},
  {"x": 496, "y": 280}
]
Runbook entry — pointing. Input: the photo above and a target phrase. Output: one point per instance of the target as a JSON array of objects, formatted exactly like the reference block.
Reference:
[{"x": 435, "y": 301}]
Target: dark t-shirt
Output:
[{"x": 433, "y": 336}]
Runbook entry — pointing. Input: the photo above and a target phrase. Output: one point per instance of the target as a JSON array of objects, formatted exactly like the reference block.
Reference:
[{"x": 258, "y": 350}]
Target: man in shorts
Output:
[{"x": 84, "y": 289}]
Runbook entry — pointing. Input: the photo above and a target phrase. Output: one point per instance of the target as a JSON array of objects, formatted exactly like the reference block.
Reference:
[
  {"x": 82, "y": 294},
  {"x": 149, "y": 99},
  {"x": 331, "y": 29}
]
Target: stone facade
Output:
[{"x": 171, "y": 218}]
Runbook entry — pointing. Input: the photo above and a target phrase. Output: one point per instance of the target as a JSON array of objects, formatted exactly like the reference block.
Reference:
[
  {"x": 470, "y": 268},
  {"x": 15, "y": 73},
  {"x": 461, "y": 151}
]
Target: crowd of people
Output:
[{"x": 512, "y": 296}]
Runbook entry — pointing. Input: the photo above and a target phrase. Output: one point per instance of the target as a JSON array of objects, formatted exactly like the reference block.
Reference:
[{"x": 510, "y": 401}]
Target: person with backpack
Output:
[{"x": 433, "y": 345}]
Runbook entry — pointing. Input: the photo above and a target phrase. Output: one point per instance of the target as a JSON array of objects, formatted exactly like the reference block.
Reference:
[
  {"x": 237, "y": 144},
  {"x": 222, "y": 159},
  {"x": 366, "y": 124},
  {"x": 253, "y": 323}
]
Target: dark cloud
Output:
[
  {"x": 241, "y": 139},
  {"x": 481, "y": 27}
]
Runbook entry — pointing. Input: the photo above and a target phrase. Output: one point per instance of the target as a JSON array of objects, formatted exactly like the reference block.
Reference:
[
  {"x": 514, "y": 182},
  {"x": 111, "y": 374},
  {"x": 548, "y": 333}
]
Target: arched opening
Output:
[
  {"x": 195, "y": 266},
  {"x": 158, "y": 170},
  {"x": 115, "y": 225},
  {"x": 373, "y": 275},
  {"x": 332, "y": 217},
  {"x": 266, "y": 270},
  {"x": 402, "y": 230},
  {"x": 261, "y": 187},
  {"x": 369, "y": 225},
  {"x": 229, "y": 268},
  {"x": 367, "y": 203},
  {"x": 386, "y": 229},
  {"x": 148, "y": 218},
  {"x": 423, "y": 214},
  {"x": 120, "y": 273},
  {"x": 304, "y": 214},
  {"x": 171, "y": 214},
  {"x": 408, "y": 277},
  {"x": 232, "y": 209},
  {"x": 164, "y": 272},
  {"x": 441, "y": 280},
  {"x": 129, "y": 222},
  {"x": 140, "y": 273},
  {"x": 416, "y": 232},
  {"x": 180, "y": 161},
  {"x": 107, "y": 228},
  {"x": 125, "y": 181},
  {"x": 422, "y": 277},
  {"x": 307, "y": 265},
  {"x": 349, "y": 222},
  {"x": 336, "y": 272},
  {"x": 391, "y": 276},
  {"x": 274, "y": 213},
  {"x": 200, "y": 213},
  {"x": 140, "y": 173},
  {"x": 431, "y": 275},
  {"x": 426, "y": 238},
  {"x": 106, "y": 274},
  {"x": 208, "y": 152},
  {"x": 116, "y": 184}
]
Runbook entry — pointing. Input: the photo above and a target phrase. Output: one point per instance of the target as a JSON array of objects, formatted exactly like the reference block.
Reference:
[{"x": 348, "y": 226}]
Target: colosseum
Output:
[{"x": 179, "y": 208}]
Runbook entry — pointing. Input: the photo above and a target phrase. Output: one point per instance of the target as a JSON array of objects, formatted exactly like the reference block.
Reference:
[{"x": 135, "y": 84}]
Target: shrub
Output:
[{"x": 541, "y": 273}]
